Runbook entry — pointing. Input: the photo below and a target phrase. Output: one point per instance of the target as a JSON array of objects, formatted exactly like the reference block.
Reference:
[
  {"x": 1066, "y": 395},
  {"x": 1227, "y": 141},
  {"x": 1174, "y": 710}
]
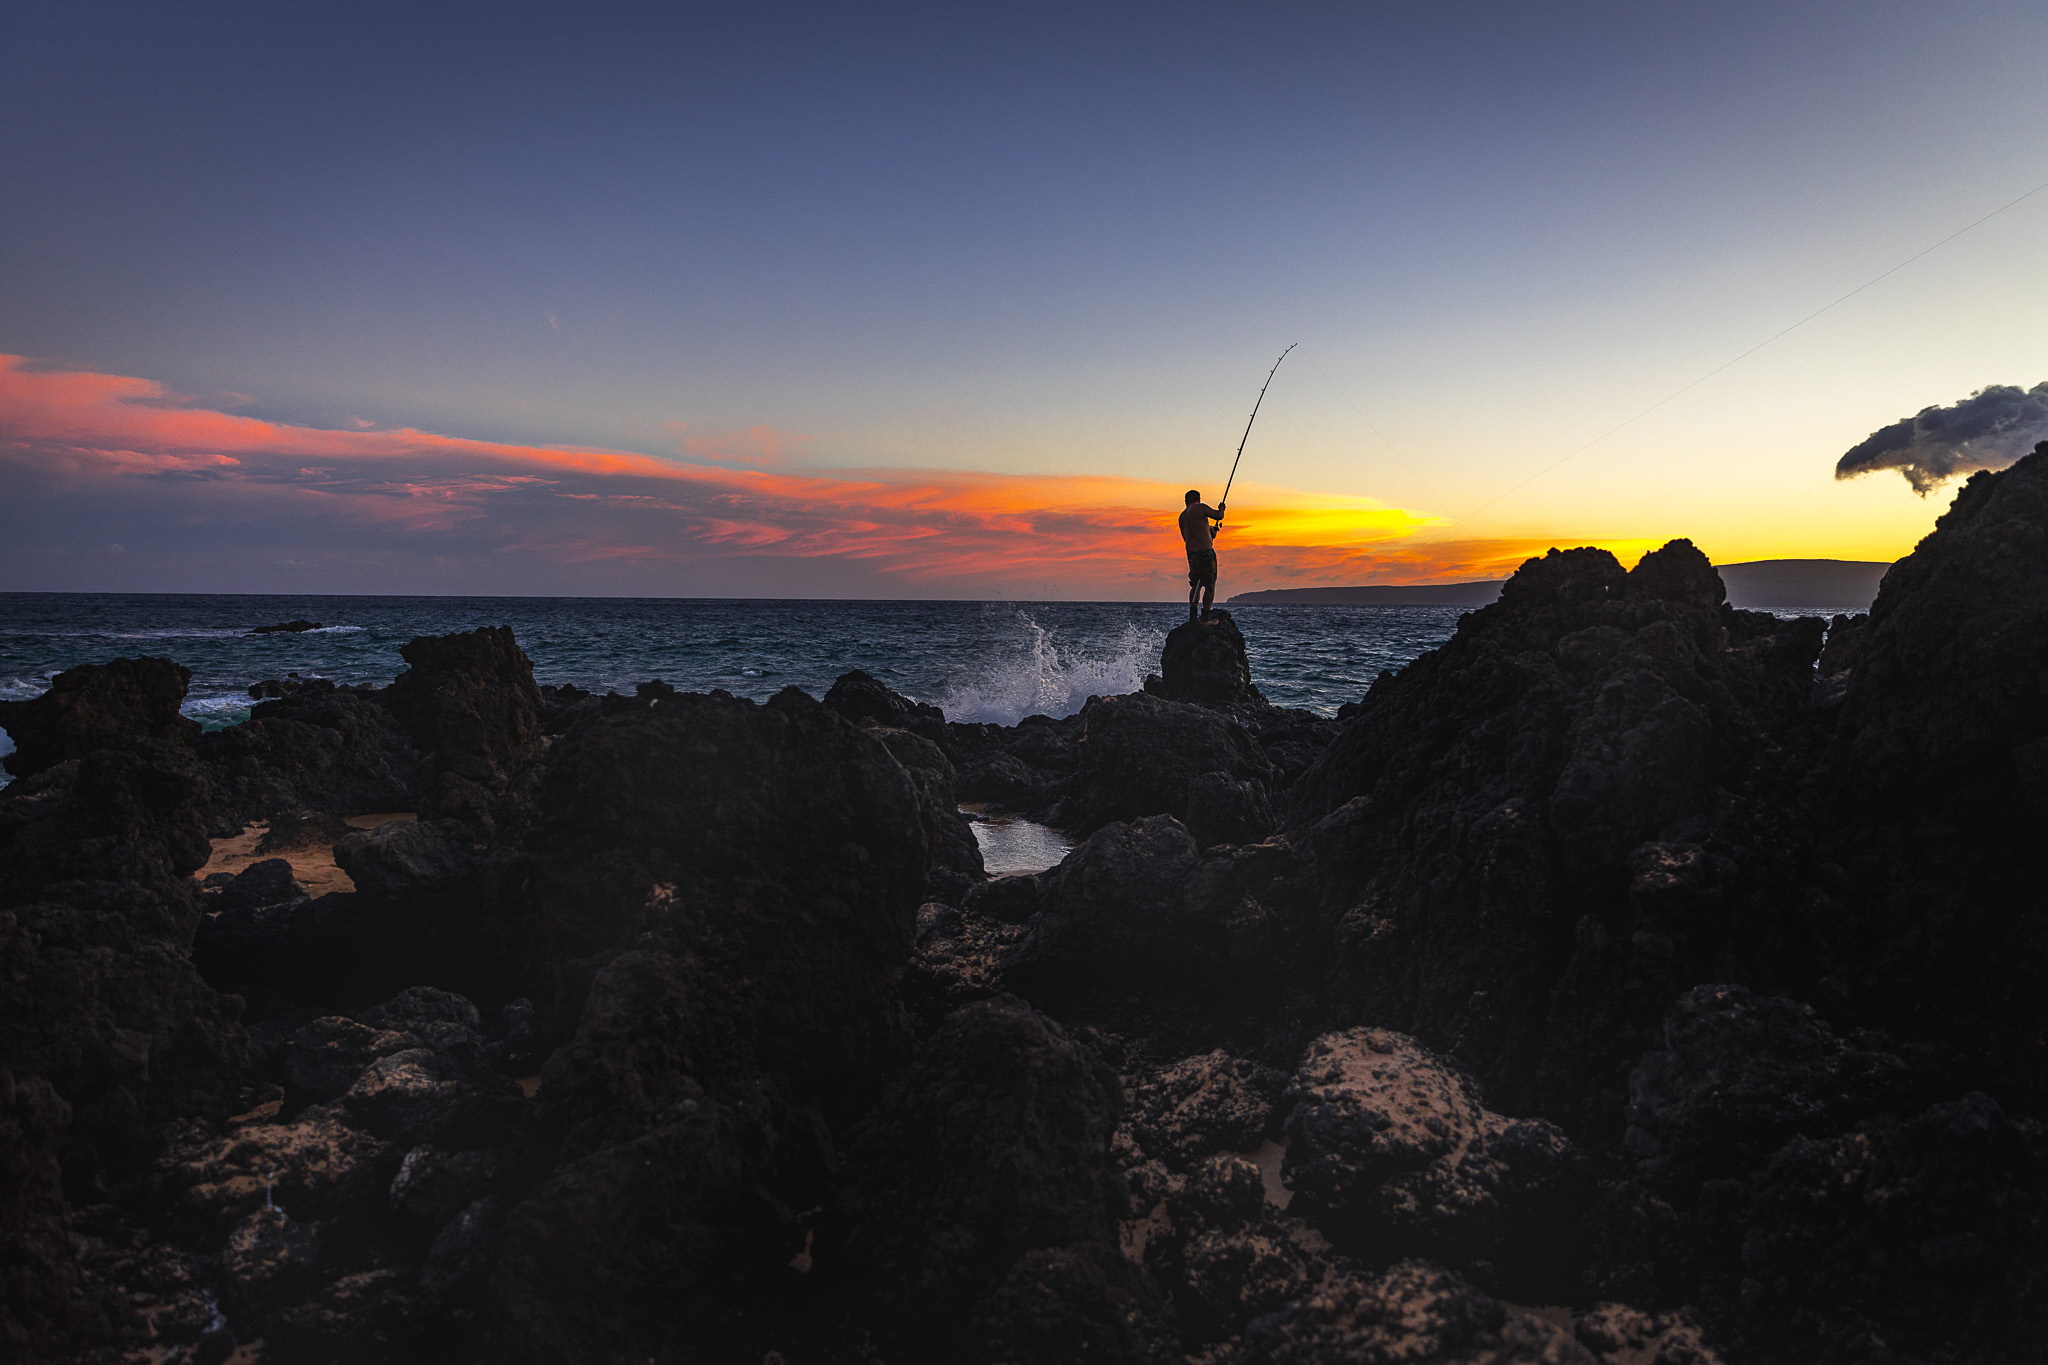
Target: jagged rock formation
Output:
[
  {"x": 94, "y": 705},
  {"x": 470, "y": 704},
  {"x": 1205, "y": 661}
]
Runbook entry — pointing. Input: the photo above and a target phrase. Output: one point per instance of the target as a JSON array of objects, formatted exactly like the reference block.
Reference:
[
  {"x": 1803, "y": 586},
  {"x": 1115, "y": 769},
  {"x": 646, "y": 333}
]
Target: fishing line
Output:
[{"x": 1678, "y": 393}]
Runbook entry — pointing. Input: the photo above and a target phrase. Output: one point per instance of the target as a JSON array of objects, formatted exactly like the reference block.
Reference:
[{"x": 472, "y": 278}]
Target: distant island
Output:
[{"x": 1762, "y": 584}]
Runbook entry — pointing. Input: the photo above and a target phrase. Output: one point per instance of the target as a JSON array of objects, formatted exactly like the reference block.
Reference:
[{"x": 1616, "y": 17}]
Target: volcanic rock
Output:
[
  {"x": 313, "y": 748},
  {"x": 1414, "y": 1313},
  {"x": 1390, "y": 1152},
  {"x": 862, "y": 698},
  {"x": 1224, "y": 810},
  {"x": 1205, "y": 661},
  {"x": 994, "y": 1143},
  {"x": 1203, "y": 1105},
  {"x": 470, "y": 704},
  {"x": 405, "y": 855},
  {"x": 1139, "y": 755},
  {"x": 1474, "y": 825},
  {"x": 1931, "y": 794},
  {"x": 1088, "y": 1304},
  {"x": 94, "y": 705}
]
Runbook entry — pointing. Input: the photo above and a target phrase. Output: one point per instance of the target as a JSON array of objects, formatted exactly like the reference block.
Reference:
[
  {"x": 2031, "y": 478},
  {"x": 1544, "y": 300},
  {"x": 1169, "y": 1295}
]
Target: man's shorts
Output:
[{"x": 1201, "y": 568}]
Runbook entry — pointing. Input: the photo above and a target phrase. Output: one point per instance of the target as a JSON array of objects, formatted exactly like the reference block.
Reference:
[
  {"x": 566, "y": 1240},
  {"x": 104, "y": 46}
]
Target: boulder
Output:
[
  {"x": 1205, "y": 661},
  {"x": 1226, "y": 810},
  {"x": 1929, "y": 912},
  {"x": 1391, "y": 1153},
  {"x": 1413, "y": 1313},
  {"x": 863, "y": 699},
  {"x": 1474, "y": 824},
  {"x": 314, "y": 747},
  {"x": 1203, "y": 1105},
  {"x": 269, "y": 882},
  {"x": 994, "y": 1143},
  {"x": 1139, "y": 755},
  {"x": 94, "y": 705},
  {"x": 470, "y": 705},
  {"x": 774, "y": 856},
  {"x": 1088, "y": 1304},
  {"x": 1115, "y": 904},
  {"x": 1740, "y": 1074},
  {"x": 406, "y": 855}
]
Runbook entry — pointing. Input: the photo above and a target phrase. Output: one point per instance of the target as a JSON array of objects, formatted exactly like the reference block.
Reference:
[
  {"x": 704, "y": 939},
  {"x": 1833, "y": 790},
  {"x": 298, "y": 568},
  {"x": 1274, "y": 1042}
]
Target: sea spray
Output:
[{"x": 1040, "y": 678}]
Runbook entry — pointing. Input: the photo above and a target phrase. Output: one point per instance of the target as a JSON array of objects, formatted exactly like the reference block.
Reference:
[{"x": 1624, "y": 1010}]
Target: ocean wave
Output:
[
  {"x": 1039, "y": 678},
  {"x": 217, "y": 713}
]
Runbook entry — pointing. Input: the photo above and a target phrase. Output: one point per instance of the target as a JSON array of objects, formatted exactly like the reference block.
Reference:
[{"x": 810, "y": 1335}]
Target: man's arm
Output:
[{"x": 1214, "y": 514}]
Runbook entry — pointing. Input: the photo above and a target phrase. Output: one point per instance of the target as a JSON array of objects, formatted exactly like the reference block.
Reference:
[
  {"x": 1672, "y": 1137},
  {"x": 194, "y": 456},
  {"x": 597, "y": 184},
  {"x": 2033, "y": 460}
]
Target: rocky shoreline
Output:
[{"x": 1631, "y": 979}]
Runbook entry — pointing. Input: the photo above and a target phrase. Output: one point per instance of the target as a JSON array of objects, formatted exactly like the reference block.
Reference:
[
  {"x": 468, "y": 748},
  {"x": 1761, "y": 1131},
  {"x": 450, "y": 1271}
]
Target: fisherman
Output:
[{"x": 1201, "y": 543}]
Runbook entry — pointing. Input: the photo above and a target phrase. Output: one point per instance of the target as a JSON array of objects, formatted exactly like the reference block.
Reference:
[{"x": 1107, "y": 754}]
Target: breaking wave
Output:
[{"x": 1036, "y": 676}]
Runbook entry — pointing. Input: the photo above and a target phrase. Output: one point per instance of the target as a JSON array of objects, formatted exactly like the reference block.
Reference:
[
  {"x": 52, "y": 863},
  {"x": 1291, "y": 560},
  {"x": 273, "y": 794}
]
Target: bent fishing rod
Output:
[{"x": 1224, "y": 501}]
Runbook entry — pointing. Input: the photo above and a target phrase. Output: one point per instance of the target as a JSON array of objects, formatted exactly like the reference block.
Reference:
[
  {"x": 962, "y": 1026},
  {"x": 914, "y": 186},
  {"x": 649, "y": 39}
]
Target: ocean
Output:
[{"x": 980, "y": 661}]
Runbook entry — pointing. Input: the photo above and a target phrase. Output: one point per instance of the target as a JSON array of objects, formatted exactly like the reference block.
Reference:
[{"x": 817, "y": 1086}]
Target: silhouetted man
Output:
[{"x": 1201, "y": 543}]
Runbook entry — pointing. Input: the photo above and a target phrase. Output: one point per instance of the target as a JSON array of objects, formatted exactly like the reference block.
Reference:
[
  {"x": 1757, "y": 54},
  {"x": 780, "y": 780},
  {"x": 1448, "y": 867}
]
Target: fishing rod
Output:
[{"x": 1224, "y": 501}]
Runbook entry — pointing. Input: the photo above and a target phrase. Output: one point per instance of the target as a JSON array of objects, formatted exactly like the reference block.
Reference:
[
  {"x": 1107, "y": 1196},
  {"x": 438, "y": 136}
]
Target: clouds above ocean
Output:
[{"x": 192, "y": 491}]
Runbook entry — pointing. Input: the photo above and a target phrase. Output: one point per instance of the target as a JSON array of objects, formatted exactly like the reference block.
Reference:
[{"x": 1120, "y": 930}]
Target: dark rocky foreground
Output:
[{"x": 1632, "y": 979}]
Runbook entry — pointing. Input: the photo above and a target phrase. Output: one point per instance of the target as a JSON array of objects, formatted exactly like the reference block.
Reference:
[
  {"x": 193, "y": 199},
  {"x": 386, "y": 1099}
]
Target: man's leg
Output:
[
  {"x": 1208, "y": 598},
  {"x": 1193, "y": 593}
]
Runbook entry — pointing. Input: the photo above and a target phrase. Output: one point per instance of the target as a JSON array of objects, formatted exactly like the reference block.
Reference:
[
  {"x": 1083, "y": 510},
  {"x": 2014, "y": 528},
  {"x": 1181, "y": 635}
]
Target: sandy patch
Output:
[{"x": 312, "y": 864}]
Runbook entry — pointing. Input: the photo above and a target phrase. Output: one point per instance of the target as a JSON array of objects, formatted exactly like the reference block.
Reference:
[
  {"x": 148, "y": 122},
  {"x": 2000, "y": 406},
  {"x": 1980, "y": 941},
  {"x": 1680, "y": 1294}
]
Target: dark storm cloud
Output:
[{"x": 1988, "y": 430}]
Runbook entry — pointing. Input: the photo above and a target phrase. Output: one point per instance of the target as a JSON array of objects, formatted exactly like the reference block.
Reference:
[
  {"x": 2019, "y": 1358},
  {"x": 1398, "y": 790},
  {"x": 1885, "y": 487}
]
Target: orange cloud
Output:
[{"x": 70, "y": 437}]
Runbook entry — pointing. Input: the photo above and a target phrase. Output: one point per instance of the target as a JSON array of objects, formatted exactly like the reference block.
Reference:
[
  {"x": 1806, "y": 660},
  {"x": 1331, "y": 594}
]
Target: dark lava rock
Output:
[
  {"x": 1205, "y": 661},
  {"x": 1140, "y": 898},
  {"x": 861, "y": 698},
  {"x": 405, "y": 855},
  {"x": 715, "y": 902},
  {"x": 1088, "y": 1304},
  {"x": 269, "y": 882},
  {"x": 318, "y": 1168},
  {"x": 1226, "y": 810},
  {"x": 434, "y": 1184},
  {"x": 1414, "y": 1313},
  {"x": 424, "y": 1095},
  {"x": 97, "y": 993},
  {"x": 314, "y": 748},
  {"x": 371, "y": 1315},
  {"x": 294, "y": 627},
  {"x": 1114, "y": 903},
  {"x": 1391, "y": 1153},
  {"x": 1139, "y": 755},
  {"x": 470, "y": 704},
  {"x": 999, "y": 778},
  {"x": 956, "y": 853},
  {"x": 94, "y": 705},
  {"x": 328, "y": 1055},
  {"x": 1739, "y": 1074},
  {"x": 1474, "y": 824},
  {"x": 1202, "y": 1105},
  {"x": 268, "y": 1257},
  {"x": 994, "y": 1143},
  {"x": 1924, "y": 1235},
  {"x": 1930, "y": 798},
  {"x": 774, "y": 856},
  {"x": 620, "y": 1243}
]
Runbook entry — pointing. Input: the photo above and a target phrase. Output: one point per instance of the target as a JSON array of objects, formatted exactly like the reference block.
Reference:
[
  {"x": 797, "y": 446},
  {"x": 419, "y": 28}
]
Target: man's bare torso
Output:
[{"x": 1194, "y": 526}]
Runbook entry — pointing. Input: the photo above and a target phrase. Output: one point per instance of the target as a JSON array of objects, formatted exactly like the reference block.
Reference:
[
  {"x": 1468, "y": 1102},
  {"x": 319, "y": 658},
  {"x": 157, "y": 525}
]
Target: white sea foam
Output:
[
  {"x": 217, "y": 713},
  {"x": 1039, "y": 678}
]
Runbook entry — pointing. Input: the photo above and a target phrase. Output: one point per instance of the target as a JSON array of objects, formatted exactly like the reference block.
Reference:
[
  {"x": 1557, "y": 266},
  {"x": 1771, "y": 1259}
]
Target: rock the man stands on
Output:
[{"x": 1201, "y": 543}]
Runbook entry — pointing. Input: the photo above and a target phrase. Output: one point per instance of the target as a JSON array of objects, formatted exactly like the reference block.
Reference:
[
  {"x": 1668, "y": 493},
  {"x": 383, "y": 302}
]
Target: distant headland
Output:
[{"x": 1762, "y": 583}]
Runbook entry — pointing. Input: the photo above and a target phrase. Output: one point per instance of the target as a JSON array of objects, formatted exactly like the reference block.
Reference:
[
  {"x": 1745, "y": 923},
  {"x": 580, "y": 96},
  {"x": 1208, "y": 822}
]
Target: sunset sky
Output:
[{"x": 910, "y": 301}]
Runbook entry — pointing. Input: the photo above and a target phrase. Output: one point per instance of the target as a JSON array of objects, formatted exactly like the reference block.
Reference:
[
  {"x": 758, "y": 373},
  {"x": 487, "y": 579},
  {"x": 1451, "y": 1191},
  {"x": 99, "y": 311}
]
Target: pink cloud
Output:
[{"x": 72, "y": 437}]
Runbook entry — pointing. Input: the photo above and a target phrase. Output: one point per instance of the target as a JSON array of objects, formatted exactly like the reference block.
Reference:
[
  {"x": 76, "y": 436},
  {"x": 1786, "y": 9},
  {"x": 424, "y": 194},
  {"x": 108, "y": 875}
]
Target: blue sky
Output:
[{"x": 1054, "y": 240}]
